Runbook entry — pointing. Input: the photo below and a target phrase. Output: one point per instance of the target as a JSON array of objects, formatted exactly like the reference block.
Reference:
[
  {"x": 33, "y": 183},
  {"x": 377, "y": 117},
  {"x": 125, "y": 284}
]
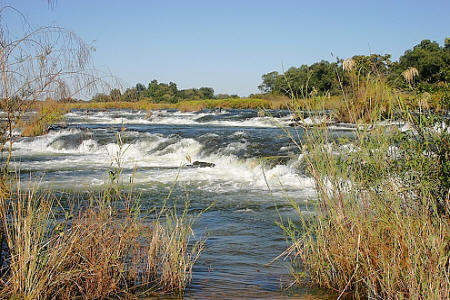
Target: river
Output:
[{"x": 246, "y": 191}]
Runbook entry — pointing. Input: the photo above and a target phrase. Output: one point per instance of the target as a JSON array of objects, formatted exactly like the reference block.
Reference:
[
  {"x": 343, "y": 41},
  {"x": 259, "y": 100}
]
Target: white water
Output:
[
  {"x": 157, "y": 159},
  {"x": 172, "y": 118}
]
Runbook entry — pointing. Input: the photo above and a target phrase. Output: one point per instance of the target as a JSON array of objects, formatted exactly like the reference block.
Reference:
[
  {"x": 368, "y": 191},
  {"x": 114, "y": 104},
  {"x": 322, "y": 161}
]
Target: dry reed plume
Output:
[{"x": 409, "y": 75}]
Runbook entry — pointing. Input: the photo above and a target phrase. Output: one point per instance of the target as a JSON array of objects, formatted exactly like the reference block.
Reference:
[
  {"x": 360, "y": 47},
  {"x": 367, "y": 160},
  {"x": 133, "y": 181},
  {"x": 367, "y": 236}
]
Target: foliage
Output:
[
  {"x": 130, "y": 95},
  {"x": 431, "y": 61},
  {"x": 303, "y": 81},
  {"x": 156, "y": 92},
  {"x": 196, "y": 105},
  {"x": 366, "y": 97},
  {"x": 115, "y": 95},
  {"x": 101, "y": 97},
  {"x": 191, "y": 105}
]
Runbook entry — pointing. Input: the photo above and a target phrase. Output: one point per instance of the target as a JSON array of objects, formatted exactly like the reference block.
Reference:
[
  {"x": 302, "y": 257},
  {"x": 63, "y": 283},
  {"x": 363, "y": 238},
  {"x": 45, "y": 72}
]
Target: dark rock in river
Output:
[
  {"x": 57, "y": 126},
  {"x": 201, "y": 164}
]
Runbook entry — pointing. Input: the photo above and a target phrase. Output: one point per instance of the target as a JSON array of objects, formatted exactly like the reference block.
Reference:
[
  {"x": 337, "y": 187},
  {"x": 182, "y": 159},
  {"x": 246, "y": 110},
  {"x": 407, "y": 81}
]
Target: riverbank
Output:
[
  {"x": 341, "y": 109},
  {"x": 191, "y": 105}
]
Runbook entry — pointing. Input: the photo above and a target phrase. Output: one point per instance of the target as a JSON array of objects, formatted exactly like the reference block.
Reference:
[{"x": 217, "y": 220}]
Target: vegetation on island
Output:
[
  {"x": 381, "y": 223},
  {"x": 157, "y": 92}
]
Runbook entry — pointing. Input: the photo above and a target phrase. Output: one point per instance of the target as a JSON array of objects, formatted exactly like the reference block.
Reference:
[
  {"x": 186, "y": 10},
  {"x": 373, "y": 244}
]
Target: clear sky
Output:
[{"x": 229, "y": 44}]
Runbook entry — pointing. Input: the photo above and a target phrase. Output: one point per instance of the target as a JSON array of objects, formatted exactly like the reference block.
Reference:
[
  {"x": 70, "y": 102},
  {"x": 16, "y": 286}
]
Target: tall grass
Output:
[{"x": 381, "y": 226}]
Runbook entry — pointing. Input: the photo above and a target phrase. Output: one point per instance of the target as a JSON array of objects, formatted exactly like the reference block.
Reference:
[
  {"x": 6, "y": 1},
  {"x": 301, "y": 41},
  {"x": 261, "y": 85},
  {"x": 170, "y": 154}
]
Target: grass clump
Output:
[
  {"x": 381, "y": 226},
  {"x": 48, "y": 113},
  {"x": 103, "y": 249}
]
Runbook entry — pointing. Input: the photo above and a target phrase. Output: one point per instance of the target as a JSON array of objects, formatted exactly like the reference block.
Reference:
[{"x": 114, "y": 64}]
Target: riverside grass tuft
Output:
[
  {"x": 381, "y": 224},
  {"x": 105, "y": 248},
  {"x": 49, "y": 112}
]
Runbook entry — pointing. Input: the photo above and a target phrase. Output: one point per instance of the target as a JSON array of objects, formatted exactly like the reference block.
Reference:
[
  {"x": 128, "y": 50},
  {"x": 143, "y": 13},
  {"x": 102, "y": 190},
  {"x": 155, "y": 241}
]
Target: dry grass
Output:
[
  {"x": 196, "y": 105},
  {"x": 191, "y": 105},
  {"x": 367, "y": 99},
  {"x": 99, "y": 253},
  {"x": 139, "y": 105},
  {"x": 48, "y": 113},
  {"x": 348, "y": 64}
]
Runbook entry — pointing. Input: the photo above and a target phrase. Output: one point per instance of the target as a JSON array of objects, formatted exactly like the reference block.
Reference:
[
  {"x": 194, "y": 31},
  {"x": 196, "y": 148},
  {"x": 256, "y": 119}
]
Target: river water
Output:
[{"x": 246, "y": 191}]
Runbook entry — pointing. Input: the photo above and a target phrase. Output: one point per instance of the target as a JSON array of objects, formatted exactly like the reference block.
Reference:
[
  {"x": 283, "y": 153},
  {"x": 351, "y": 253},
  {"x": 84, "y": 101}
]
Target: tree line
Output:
[
  {"x": 159, "y": 92},
  {"x": 426, "y": 66}
]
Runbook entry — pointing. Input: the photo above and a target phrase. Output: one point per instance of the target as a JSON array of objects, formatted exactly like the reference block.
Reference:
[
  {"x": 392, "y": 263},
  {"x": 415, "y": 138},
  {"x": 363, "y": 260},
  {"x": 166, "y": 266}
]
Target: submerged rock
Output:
[{"x": 201, "y": 164}]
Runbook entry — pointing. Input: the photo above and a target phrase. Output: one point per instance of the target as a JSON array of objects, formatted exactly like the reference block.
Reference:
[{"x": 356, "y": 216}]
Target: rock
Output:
[
  {"x": 201, "y": 164},
  {"x": 57, "y": 126}
]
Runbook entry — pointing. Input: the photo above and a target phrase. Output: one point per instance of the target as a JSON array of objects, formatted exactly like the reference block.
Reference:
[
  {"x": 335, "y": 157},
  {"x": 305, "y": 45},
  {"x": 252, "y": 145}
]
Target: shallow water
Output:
[{"x": 247, "y": 191}]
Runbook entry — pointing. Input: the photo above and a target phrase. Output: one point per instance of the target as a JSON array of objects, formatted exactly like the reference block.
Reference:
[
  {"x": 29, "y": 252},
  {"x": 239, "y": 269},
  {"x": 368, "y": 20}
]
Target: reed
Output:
[
  {"x": 409, "y": 75},
  {"x": 381, "y": 224},
  {"x": 106, "y": 248}
]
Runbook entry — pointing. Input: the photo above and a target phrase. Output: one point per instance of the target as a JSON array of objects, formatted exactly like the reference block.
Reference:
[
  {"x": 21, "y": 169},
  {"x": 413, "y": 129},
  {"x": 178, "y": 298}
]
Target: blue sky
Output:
[{"x": 229, "y": 44}]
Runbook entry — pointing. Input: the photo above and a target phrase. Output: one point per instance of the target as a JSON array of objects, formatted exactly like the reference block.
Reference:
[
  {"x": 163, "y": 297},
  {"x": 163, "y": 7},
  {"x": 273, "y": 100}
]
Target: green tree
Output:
[
  {"x": 374, "y": 63},
  {"x": 431, "y": 60},
  {"x": 268, "y": 84},
  {"x": 206, "y": 92},
  {"x": 130, "y": 95},
  {"x": 101, "y": 97},
  {"x": 140, "y": 87},
  {"x": 115, "y": 95}
]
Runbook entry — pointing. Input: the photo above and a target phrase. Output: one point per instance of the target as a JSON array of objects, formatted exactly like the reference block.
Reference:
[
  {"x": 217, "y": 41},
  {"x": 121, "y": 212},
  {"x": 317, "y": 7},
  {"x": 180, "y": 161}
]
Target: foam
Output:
[{"x": 170, "y": 118}]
